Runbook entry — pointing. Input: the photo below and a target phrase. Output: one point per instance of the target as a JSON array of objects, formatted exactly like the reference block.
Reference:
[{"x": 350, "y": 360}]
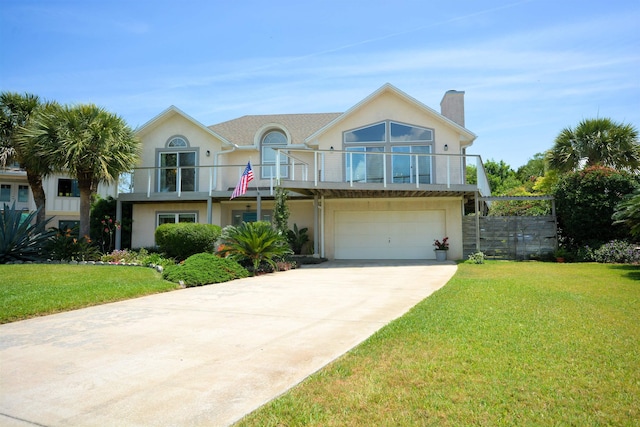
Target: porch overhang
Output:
[{"x": 376, "y": 190}]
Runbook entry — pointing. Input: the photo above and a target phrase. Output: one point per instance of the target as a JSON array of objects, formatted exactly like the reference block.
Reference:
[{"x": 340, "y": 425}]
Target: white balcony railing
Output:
[{"x": 314, "y": 168}]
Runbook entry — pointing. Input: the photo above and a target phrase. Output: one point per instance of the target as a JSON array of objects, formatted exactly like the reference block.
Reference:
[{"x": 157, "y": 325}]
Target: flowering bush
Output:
[
  {"x": 477, "y": 257},
  {"x": 616, "y": 251},
  {"x": 444, "y": 245}
]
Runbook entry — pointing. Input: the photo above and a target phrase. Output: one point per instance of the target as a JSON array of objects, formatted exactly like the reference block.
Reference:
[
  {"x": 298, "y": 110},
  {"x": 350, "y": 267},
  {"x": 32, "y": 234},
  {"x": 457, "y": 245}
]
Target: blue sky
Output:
[{"x": 529, "y": 68}]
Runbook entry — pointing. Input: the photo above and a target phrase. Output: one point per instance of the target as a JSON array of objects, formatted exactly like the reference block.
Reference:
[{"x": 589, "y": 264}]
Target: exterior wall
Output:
[
  {"x": 451, "y": 205},
  {"x": 145, "y": 222},
  {"x": 156, "y": 138},
  {"x": 144, "y": 219},
  {"x": 390, "y": 107}
]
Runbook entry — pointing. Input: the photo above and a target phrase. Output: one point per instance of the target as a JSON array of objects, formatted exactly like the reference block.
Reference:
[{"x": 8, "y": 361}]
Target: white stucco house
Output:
[
  {"x": 381, "y": 180},
  {"x": 62, "y": 193}
]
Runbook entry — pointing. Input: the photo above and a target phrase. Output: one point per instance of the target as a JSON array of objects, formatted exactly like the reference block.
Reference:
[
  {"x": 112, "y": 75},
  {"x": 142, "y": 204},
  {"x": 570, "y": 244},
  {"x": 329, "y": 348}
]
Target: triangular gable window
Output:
[{"x": 373, "y": 133}]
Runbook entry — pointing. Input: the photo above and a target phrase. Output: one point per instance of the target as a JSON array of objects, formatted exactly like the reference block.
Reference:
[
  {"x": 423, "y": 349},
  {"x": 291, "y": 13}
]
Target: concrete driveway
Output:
[{"x": 200, "y": 356}]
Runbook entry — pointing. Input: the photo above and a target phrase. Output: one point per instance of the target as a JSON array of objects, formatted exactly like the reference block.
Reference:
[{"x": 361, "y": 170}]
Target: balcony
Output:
[{"x": 331, "y": 173}]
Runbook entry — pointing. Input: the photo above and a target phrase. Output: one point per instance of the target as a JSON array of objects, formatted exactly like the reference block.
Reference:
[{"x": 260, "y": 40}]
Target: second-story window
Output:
[
  {"x": 410, "y": 145},
  {"x": 177, "y": 166},
  {"x": 273, "y": 139},
  {"x": 68, "y": 187}
]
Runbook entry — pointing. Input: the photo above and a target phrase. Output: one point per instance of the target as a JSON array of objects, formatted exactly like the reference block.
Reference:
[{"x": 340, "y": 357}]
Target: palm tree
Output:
[
  {"x": 15, "y": 111},
  {"x": 86, "y": 142},
  {"x": 596, "y": 142}
]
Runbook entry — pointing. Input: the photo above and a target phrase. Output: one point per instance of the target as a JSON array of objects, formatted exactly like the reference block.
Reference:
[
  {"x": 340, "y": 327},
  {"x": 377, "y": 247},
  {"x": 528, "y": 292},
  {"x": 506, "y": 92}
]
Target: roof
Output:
[{"x": 242, "y": 130}]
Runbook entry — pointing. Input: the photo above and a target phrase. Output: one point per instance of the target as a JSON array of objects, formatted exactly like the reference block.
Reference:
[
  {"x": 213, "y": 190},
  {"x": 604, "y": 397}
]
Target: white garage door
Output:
[{"x": 387, "y": 234}]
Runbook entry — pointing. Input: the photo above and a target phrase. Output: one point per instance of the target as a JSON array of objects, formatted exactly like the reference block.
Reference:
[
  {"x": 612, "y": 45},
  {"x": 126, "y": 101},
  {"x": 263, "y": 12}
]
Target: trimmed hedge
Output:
[
  {"x": 182, "y": 240},
  {"x": 204, "y": 269}
]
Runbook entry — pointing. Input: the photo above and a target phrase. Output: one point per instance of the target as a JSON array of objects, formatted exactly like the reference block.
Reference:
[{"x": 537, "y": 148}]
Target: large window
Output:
[
  {"x": 410, "y": 161},
  {"x": 5, "y": 193},
  {"x": 175, "y": 217},
  {"x": 273, "y": 139},
  {"x": 68, "y": 188},
  {"x": 177, "y": 167}
]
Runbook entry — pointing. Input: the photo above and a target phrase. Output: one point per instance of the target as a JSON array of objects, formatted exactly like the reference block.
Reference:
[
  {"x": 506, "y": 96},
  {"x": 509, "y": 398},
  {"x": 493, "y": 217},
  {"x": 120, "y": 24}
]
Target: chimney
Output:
[{"x": 452, "y": 106}]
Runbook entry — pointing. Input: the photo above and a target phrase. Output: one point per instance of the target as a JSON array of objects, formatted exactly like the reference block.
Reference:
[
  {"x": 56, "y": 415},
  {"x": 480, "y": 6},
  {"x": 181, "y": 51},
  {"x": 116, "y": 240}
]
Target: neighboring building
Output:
[
  {"x": 63, "y": 196},
  {"x": 379, "y": 181}
]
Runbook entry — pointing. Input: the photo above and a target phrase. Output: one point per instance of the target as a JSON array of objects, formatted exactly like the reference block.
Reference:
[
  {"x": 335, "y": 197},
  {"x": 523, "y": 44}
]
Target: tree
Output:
[
  {"x": 585, "y": 202},
  {"x": 532, "y": 171},
  {"x": 281, "y": 211},
  {"x": 501, "y": 177},
  {"x": 628, "y": 213},
  {"x": 15, "y": 111},
  {"x": 87, "y": 142},
  {"x": 596, "y": 142}
]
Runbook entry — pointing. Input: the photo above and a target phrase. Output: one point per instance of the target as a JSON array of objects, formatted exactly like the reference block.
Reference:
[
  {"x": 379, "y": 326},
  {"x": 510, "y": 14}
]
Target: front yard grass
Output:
[
  {"x": 29, "y": 290},
  {"x": 502, "y": 343}
]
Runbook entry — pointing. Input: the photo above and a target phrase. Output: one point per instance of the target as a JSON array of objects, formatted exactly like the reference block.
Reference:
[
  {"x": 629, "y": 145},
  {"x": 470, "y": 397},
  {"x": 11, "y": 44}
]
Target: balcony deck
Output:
[{"x": 312, "y": 173}]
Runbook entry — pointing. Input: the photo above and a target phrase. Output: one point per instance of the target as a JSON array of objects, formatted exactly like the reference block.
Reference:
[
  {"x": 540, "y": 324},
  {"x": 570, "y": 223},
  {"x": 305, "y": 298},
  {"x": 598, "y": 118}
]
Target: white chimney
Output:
[{"x": 452, "y": 106}]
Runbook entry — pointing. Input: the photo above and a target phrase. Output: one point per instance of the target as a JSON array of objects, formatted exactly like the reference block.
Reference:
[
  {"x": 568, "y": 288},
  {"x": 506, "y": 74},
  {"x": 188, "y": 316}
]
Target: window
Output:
[
  {"x": 68, "y": 188},
  {"x": 177, "y": 141},
  {"x": 173, "y": 218},
  {"x": 23, "y": 193},
  {"x": 373, "y": 133},
  {"x": 405, "y": 167},
  {"x": 364, "y": 167},
  {"x": 5, "y": 193},
  {"x": 273, "y": 139},
  {"x": 177, "y": 167},
  {"x": 408, "y": 142}
]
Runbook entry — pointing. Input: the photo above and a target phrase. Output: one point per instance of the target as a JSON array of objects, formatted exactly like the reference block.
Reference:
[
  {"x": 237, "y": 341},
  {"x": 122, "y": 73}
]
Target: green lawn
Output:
[
  {"x": 502, "y": 343},
  {"x": 28, "y": 290}
]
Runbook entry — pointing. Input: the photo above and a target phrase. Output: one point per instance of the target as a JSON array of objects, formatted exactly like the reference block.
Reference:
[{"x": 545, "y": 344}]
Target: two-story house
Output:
[{"x": 382, "y": 180}]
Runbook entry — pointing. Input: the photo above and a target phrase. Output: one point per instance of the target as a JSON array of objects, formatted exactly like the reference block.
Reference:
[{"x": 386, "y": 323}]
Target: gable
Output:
[{"x": 389, "y": 103}]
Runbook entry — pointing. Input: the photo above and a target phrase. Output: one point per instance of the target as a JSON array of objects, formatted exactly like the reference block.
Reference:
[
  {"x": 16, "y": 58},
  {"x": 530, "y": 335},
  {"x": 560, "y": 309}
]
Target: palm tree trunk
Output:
[
  {"x": 85, "y": 185},
  {"x": 39, "y": 197}
]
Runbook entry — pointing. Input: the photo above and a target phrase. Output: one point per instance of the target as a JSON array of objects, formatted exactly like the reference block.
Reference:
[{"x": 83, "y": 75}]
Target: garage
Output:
[{"x": 387, "y": 234}]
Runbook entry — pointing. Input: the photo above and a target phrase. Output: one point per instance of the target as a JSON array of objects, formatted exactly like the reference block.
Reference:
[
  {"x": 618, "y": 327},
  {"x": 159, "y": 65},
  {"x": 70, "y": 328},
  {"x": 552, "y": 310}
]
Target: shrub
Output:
[
  {"x": 616, "y": 251},
  {"x": 254, "y": 243},
  {"x": 297, "y": 238},
  {"x": 585, "y": 202},
  {"x": 64, "y": 245},
  {"x": 185, "y": 239},
  {"x": 20, "y": 240},
  {"x": 477, "y": 257},
  {"x": 120, "y": 256},
  {"x": 203, "y": 269}
]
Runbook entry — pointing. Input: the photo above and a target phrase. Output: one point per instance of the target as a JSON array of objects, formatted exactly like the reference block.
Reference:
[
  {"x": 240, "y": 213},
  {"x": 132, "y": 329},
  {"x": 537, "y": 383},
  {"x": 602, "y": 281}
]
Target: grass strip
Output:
[{"x": 29, "y": 290}]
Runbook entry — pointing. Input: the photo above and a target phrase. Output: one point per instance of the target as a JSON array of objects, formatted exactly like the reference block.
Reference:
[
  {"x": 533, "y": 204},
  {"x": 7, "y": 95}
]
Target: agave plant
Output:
[
  {"x": 254, "y": 243},
  {"x": 20, "y": 239}
]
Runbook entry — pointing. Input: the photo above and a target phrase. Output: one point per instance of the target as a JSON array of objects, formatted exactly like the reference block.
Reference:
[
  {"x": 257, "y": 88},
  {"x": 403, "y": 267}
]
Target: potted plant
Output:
[
  {"x": 441, "y": 249},
  {"x": 561, "y": 255}
]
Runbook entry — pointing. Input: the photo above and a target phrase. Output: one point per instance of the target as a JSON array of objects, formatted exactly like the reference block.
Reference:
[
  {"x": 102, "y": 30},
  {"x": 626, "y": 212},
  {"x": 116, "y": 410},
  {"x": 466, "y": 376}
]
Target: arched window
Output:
[
  {"x": 177, "y": 166},
  {"x": 177, "y": 142},
  {"x": 273, "y": 139}
]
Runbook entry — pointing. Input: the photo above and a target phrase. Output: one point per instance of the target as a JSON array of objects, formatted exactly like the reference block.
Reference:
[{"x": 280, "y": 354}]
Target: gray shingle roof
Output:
[{"x": 242, "y": 130}]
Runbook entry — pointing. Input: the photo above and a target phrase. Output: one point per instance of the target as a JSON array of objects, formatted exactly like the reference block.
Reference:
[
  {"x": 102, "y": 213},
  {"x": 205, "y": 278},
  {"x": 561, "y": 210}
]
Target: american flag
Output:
[{"x": 243, "y": 184}]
